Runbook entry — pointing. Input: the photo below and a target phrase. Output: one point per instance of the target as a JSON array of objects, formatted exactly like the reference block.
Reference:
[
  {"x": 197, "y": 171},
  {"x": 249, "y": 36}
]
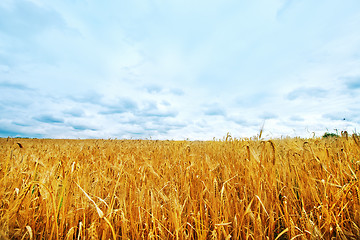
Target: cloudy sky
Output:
[{"x": 178, "y": 69}]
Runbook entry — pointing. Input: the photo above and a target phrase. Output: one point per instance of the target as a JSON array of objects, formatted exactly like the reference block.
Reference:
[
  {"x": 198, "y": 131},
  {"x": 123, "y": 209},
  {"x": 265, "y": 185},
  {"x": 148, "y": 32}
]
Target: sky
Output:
[{"x": 176, "y": 70}]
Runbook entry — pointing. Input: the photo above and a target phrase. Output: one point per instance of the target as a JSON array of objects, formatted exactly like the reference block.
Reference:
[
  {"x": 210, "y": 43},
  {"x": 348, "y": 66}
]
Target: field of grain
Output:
[{"x": 288, "y": 188}]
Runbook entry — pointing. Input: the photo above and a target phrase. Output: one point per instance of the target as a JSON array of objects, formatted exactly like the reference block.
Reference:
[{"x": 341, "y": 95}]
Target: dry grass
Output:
[{"x": 131, "y": 189}]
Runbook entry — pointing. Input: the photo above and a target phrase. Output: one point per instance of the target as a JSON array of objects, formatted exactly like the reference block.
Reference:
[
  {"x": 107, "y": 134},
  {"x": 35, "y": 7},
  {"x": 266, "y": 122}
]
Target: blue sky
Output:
[{"x": 178, "y": 69}]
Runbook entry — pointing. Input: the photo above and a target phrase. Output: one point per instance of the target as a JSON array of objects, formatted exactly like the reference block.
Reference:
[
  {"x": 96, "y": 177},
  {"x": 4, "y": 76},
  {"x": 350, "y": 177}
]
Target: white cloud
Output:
[{"x": 176, "y": 70}]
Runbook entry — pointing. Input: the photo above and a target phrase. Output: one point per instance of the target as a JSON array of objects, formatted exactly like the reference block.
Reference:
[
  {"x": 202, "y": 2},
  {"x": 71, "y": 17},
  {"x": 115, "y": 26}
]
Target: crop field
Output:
[{"x": 290, "y": 188}]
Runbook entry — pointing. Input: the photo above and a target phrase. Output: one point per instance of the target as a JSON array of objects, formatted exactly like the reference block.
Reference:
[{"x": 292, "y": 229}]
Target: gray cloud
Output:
[
  {"x": 82, "y": 127},
  {"x": 47, "y": 118},
  {"x": 310, "y": 92},
  {"x": 5, "y": 132},
  {"x": 215, "y": 110},
  {"x": 151, "y": 109},
  {"x": 89, "y": 97},
  {"x": 253, "y": 100},
  {"x": 342, "y": 116},
  {"x": 296, "y": 118},
  {"x": 25, "y": 18},
  {"x": 177, "y": 91},
  {"x": 14, "y": 86},
  {"x": 74, "y": 112},
  {"x": 22, "y": 123},
  {"x": 165, "y": 103},
  {"x": 156, "y": 89},
  {"x": 123, "y": 105},
  {"x": 162, "y": 126},
  {"x": 355, "y": 112},
  {"x": 352, "y": 82},
  {"x": 134, "y": 134},
  {"x": 153, "y": 88},
  {"x": 268, "y": 115},
  {"x": 120, "y": 106},
  {"x": 158, "y": 113},
  {"x": 243, "y": 122},
  {"x": 16, "y": 96},
  {"x": 151, "y": 120},
  {"x": 332, "y": 116},
  {"x": 15, "y": 130}
]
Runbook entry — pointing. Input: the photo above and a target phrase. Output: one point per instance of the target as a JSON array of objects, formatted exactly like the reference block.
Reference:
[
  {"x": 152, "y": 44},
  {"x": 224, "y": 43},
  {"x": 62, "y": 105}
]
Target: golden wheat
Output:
[{"x": 287, "y": 188}]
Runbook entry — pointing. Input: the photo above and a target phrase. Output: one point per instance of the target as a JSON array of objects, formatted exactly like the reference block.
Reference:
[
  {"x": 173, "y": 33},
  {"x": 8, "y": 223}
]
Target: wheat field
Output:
[{"x": 290, "y": 188}]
